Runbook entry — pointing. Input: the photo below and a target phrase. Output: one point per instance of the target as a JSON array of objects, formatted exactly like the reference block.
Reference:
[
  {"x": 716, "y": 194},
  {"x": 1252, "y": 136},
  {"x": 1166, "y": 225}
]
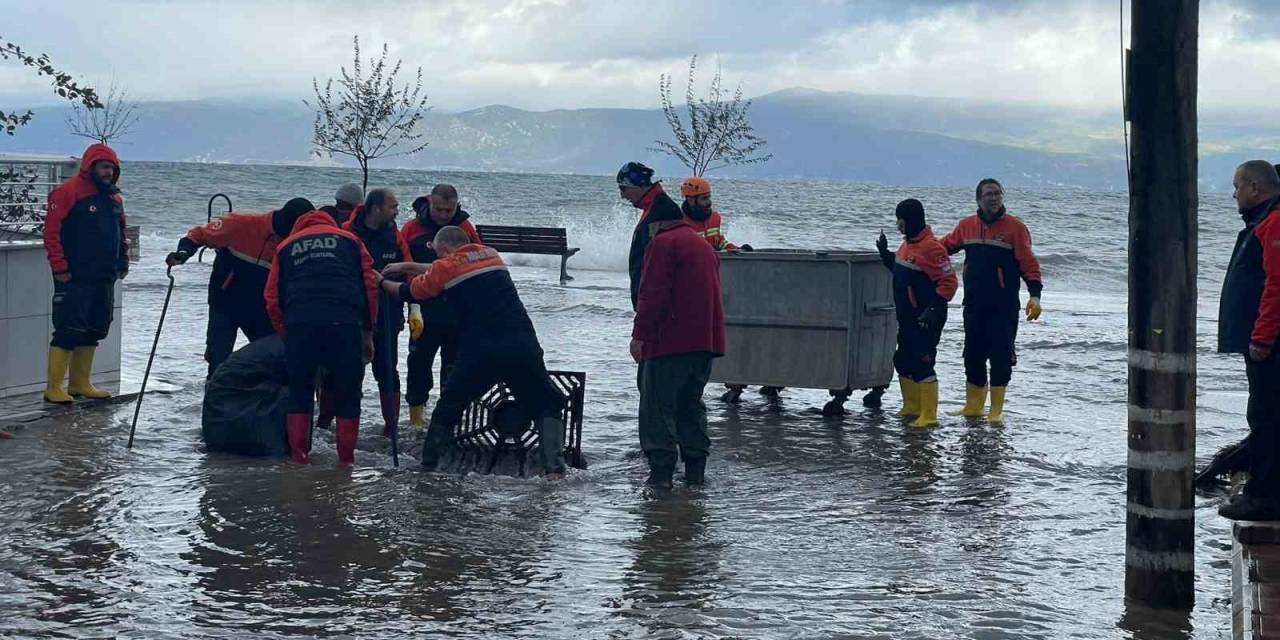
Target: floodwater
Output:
[{"x": 856, "y": 527}]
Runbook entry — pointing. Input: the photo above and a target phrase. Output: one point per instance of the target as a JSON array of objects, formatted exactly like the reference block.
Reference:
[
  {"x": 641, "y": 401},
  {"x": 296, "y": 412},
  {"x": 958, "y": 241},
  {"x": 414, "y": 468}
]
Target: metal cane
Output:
[
  {"x": 209, "y": 218},
  {"x": 151, "y": 358}
]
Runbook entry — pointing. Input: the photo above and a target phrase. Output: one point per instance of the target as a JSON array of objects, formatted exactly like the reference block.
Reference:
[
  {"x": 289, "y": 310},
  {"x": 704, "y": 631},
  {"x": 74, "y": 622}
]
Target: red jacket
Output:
[
  {"x": 679, "y": 308},
  {"x": 84, "y": 225},
  {"x": 1266, "y": 329},
  {"x": 321, "y": 275},
  {"x": 710, "y": 229}
]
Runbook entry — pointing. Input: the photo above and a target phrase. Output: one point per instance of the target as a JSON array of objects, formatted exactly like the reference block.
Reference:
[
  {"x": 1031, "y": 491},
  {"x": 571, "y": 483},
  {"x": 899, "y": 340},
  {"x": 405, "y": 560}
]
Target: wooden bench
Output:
[{"x": 536, "y": 240}]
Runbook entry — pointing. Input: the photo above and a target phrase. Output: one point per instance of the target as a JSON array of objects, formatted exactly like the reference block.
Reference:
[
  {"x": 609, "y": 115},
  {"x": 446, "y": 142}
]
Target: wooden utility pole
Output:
[{"x": 1161, "y": 106}]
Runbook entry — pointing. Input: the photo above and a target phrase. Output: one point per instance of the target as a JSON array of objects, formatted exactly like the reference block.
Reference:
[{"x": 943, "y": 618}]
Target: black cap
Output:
[
  {"x": 283, "y": 219},
  {"x": 635, "y": 174}
]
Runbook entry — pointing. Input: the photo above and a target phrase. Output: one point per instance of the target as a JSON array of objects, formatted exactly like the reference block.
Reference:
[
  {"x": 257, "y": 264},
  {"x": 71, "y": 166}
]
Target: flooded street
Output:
[{"x": 853, "y": 527}]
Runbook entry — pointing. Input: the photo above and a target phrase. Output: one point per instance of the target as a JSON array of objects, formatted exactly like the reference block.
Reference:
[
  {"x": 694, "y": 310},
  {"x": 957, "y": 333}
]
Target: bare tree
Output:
[
  {"x": 111, "y": 121},
  {"x": 63, "y": 84},
  {"x": 719, "y": 133},
  {"x": 369, "y": 117}
]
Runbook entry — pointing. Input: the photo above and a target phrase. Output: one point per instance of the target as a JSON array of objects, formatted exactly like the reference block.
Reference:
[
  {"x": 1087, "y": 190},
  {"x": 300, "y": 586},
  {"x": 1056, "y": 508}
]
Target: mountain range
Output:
[{"x": 811, "y": 134}]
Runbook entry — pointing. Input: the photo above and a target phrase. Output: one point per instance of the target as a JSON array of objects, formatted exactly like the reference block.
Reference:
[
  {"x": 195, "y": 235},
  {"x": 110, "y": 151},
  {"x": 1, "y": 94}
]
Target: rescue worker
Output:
[
  {"x": 998, "y": 254},
  {"x": 1249, "y": 324},
  {"x": 375, "y": 225},
  {"x": 636, "y": 185},
  {"x": 246, "y": 244},
  {"x": 497, "y": 343},
  {"x": 677, "y": 332},
  {"x": 87, "y": 249},
  {"x": 322, "y": 295},
  {"x": 923, "y": 283},
  {"x": 702, "y": 217},
  {"x": 345, "y": 202},
  {"x": 433, "y": 326}
]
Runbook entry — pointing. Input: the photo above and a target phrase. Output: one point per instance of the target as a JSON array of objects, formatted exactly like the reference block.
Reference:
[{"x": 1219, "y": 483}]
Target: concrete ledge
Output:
[{"x": 1255, "y": 580}]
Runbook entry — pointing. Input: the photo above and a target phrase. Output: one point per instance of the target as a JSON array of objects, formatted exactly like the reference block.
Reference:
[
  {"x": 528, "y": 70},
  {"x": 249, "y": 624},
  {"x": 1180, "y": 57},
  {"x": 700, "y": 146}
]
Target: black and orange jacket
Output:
[
  {"x": 475, "y": 281},
  {"x": 246, "y": 244},
  {"x": 996, "y": 257},
  {"x": 710, "y": 230},
  {"x": 655, "y": 207},
  {"x": 419, "y": 234},
  {"x": 84, "y": 227},
  {"x": 321, "y": 275},
  {"x": 922, "y": 276}
]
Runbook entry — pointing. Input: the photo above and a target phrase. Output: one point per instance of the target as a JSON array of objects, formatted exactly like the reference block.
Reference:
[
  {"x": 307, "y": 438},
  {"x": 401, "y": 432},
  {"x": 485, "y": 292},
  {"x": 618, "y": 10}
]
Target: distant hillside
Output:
[{"x": 812, "y": 134}]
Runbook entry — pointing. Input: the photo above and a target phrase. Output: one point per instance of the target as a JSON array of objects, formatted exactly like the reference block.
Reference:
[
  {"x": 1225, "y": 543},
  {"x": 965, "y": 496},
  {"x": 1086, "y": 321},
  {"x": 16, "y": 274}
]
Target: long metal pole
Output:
[
  {"x": 151, "y": 358},
  {"x": 1160, "y": 529}
]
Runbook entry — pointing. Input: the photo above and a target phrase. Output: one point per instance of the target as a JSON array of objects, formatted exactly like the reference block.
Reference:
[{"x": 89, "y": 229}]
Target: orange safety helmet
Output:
[{"x": 695, "y": 186}]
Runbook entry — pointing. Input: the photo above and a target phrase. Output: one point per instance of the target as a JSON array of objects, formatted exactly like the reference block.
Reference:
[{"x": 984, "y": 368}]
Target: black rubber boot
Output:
[
  {"x": 1247, "y": 507},
  {"x": 660, "y": 477},
  {"x": 551, "y": 445},
  {"x": 437, "y": 437},
  {"x": 695, "y": 470}
]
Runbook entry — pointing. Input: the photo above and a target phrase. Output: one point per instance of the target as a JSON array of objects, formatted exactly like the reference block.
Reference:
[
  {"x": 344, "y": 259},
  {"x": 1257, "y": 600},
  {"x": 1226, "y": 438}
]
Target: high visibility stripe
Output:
[
  {"x": 909, "y": 265},
  {"x": 261, "y": 263},
  {"x": 712, "y": 231},
  {"x": 471, "y": 274}
]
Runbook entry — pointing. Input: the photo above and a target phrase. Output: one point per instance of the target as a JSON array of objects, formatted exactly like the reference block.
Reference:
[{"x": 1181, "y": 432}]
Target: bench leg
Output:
[{"x": 564, "y": 272}]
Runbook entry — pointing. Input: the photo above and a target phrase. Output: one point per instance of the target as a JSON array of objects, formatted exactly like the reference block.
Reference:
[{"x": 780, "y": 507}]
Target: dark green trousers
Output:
[{"x": 673, "y": 419}]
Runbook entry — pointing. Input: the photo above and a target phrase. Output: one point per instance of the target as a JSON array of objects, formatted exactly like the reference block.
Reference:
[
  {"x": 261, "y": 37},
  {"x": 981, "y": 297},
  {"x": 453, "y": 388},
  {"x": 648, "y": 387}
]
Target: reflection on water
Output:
[{"x": 809, "y": 527}]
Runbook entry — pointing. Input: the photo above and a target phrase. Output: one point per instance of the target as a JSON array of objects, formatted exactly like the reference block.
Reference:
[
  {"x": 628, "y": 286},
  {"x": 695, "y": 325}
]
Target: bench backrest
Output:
[{"x": 524, "y": 239}]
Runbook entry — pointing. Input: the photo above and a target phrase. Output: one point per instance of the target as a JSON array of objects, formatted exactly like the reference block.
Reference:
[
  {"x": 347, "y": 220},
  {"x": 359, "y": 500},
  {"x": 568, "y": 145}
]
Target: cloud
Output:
[{"x": 572, "y": 53}]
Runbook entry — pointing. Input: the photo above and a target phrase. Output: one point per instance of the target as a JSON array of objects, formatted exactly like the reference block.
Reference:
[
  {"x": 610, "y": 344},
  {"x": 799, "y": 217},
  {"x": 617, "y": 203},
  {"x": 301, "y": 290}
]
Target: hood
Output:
[
  {"x": 698, "y": 214},
  {"x": 284, "y": 218},
  {"x": 652, "y": 194},
  {"x": 1257, "y": 212},
  {"x": 95, "y": 153},
  {"x": 313, "y": 219}
]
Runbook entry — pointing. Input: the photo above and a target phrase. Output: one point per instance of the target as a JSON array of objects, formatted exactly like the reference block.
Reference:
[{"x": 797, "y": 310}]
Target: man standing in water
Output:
[
  {"x": 433, "y": 327},
  {"x": 678, "y": 330},
  {"x": 322, "y": 294},
  {"x": 998, "y": 254},
  {"x": 375, "y": 225},
  {"x": 246, "y": 244},
  {"x": 1249, "y": 324},
  {"x": 636, "y": 185},
  {"x": 87, "y": 249},
  {"x": 497, "y": 343},
  {"x": 923, "y": 283}
]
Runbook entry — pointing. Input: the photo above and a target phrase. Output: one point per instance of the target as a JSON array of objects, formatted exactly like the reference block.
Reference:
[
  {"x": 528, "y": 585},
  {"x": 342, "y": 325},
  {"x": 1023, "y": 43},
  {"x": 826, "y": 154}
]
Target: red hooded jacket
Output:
[
  {"x": 679, "y": 309},
  {"x": 84, "y": 227}
]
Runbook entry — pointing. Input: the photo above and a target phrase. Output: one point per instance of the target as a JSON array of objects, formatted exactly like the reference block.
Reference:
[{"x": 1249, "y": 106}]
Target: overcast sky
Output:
[{"x": 543, "y": 54}]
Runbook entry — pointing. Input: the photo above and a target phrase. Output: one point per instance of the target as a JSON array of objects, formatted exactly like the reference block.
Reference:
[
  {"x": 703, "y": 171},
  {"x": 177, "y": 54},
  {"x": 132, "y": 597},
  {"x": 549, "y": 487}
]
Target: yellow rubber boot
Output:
[
  {"x": 928, "y": 395},
  {"x": 996, "y": 417},
  {"x": 81, "y": 367},
  {"x": 415, "y": 416},
  {"x": 975, "y": 398},
  {"x": 910, "y": 397},
  {"x": 59, "y": 359}
]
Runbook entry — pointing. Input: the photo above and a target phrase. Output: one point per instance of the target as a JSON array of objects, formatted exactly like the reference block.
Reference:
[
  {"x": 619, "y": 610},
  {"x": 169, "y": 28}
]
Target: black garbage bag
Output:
[{"x": 246, "y": 400}]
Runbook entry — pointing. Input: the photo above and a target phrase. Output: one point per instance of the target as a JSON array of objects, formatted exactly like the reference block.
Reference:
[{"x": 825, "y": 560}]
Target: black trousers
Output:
[
  {"x": 1264, "y": 426},
  {"x": 516, "y": 362},
  {"x": 989, "y": 336},
  {"x": 436, "y": 337},
  {"x": 917, "y": 351},
  {"x": 337, "y": 348},
  {"x": 673, "y": 418},
  {"x": 82, "y": 311},
  {"x": 220, "y": 335}
]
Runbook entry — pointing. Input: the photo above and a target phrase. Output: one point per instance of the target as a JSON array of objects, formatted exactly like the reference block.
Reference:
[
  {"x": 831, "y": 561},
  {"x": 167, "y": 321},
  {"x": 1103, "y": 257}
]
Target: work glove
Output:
[
  {"x": 177, "y": 258},
  {"x": 882, "y": 243},
  {"x": 415, "y": 321},
  {"x": 746, "y": 248},
  {"x": 1033, "y": 309}
]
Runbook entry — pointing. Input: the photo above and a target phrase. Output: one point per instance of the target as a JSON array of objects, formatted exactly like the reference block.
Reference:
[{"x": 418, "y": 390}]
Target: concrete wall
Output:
[{"x": 26, "y": 321}]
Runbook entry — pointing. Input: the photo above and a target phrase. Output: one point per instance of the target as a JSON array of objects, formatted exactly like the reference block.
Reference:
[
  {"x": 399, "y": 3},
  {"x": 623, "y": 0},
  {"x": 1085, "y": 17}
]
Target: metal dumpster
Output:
[{"x": 807, "y": 319}]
